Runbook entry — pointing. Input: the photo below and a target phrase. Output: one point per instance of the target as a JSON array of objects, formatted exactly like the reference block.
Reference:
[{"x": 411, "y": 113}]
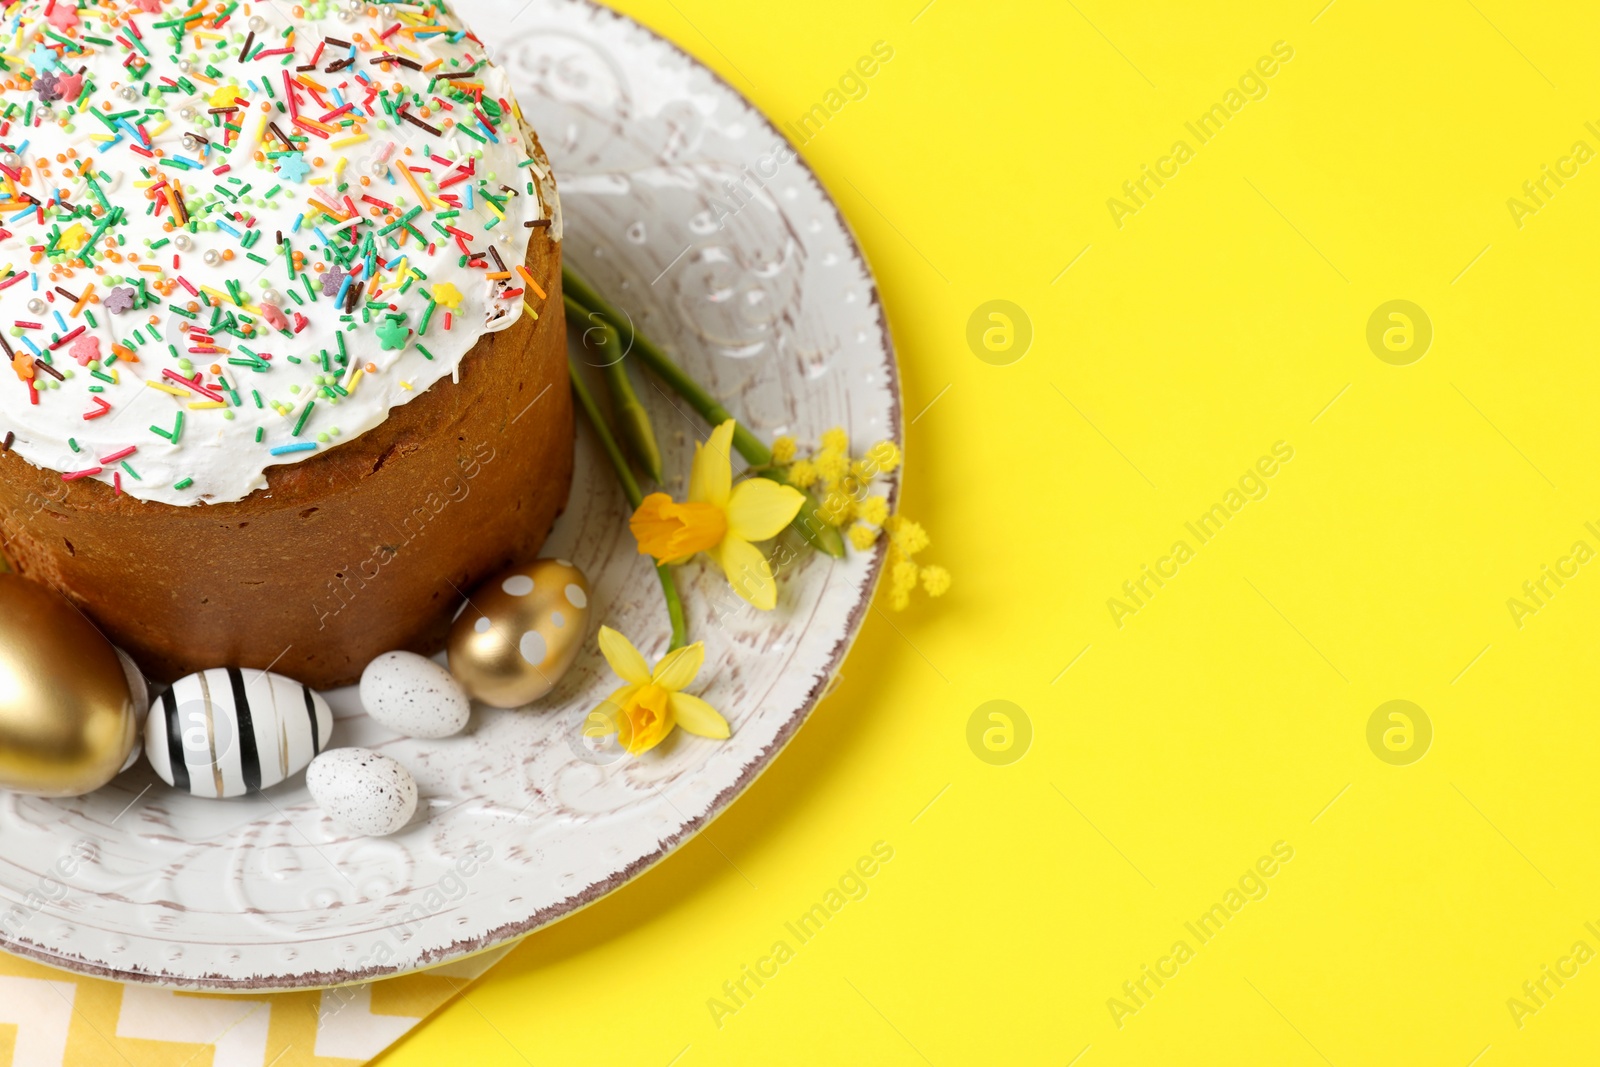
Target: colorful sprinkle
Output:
[{"x": 157, "y": 156}]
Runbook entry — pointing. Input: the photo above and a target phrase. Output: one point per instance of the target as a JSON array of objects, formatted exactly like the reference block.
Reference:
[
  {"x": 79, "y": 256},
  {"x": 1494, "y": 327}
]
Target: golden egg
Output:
[
  {"x": 70, "y": 703},
  {"x": 519, "y": 632}
]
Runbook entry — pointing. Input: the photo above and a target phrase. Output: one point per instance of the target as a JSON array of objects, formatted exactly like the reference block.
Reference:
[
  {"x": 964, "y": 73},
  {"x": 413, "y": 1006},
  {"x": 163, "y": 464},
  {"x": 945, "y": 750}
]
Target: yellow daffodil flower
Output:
[
  {"x": 643, "y": 712},
  {"x": 720, "y": 519}
]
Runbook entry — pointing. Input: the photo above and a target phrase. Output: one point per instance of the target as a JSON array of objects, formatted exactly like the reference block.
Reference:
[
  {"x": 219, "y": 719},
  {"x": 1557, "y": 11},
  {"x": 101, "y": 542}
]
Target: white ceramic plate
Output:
[{"x": 769, "y": 303}]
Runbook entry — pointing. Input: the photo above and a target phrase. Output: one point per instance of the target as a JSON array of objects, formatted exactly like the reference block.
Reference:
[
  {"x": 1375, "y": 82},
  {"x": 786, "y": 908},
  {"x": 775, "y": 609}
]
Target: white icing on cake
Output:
[{"x": 351, "y": 117}]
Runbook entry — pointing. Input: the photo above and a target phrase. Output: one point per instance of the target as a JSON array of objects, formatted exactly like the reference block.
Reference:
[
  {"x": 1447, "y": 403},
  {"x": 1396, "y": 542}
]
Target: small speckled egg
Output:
[
  {"x": 519, "y": 632},
  {"x": 364, "y": 792},
  {"x": 414, "y": 695}
]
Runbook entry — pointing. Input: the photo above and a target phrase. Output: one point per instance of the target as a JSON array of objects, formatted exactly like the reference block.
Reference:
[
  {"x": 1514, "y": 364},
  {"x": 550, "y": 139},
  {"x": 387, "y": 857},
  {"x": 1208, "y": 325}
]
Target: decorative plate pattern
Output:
[{"x": 684, "y": 204}]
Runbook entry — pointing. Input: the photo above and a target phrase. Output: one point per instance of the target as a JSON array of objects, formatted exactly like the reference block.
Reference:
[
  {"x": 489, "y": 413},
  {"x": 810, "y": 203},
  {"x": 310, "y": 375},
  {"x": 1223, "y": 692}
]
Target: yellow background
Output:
[{"x": 1230, "y": 711}]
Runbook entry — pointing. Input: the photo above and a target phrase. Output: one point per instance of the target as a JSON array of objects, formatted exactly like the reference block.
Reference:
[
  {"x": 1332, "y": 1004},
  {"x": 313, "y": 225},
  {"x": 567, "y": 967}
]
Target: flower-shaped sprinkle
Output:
[
  {"x": 393, "y": 331},
  {"x": 293, "y": 168},
  {"x": 720, "y": 519},
  {"x": 644, "y": 711},
  {"x": 86, "y": 349},
  {"x": 73, "y": 237},
  {"x": 447, "y": 295},
  {"x": 45, "y": 86},
  {"x": 119, "y": 300}
]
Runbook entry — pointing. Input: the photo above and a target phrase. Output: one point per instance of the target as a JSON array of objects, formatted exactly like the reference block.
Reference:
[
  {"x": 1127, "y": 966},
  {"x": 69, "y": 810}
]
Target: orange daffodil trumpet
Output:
[
  {"x": 720, "y": 519},
  {"x": 644, "y": 711}
]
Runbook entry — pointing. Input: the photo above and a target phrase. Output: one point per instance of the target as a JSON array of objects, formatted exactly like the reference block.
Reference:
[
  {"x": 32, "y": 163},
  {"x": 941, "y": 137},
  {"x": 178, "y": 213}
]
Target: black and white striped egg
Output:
[{"x": 227, "y": 732}]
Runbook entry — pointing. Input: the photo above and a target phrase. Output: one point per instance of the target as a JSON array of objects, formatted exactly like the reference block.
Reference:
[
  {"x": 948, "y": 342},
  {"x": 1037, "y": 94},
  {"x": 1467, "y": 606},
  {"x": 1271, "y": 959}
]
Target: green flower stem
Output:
[
  {"x": 808, "y": 523},
  {"x": 748, "y": 444},
  {"x": 630, "y": 489},
  {"x": 635, "y": 421},
  {"x": 669, "y": 590}
]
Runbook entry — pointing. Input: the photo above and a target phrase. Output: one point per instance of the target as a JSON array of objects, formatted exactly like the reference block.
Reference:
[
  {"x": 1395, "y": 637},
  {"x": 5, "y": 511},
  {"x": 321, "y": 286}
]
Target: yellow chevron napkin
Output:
[{"x": 53, "y": 1018}]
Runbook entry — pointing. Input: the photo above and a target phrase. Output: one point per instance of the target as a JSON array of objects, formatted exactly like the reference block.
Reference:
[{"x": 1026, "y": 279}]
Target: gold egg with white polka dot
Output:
[{"x": 519, "y": 632}]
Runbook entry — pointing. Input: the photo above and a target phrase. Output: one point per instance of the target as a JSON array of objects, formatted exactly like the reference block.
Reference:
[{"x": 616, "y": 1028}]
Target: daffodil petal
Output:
[
  {"x": 698, "y": 717},
  {"x": 747, "y": 571},
  {"x": 604, "y": 719},
  {"x": 711, "y": 477},
  {"x": 623, "y": 657},
  {"x": 677, "y": 669},
  {"x": 759, "y": 508}
]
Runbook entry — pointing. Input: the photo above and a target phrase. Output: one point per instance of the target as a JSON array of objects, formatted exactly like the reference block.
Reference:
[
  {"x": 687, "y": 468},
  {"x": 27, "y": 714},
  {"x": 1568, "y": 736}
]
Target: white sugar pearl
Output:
[
  {"x": 362, "y": 791},
  {"x": 414, "y": 695}
]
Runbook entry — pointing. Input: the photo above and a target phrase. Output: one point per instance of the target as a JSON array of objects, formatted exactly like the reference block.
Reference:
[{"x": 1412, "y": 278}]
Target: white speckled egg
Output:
[
  {"x": 227, "y": 732},
  {"x": 519, "y": 632},
  {"x": 363, "y": 791},
  {"x": 414, "y": 695}
]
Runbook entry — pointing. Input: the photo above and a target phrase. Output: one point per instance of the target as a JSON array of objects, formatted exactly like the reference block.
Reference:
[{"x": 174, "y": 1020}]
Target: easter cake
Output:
[{"x": 282, "y": 355}]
